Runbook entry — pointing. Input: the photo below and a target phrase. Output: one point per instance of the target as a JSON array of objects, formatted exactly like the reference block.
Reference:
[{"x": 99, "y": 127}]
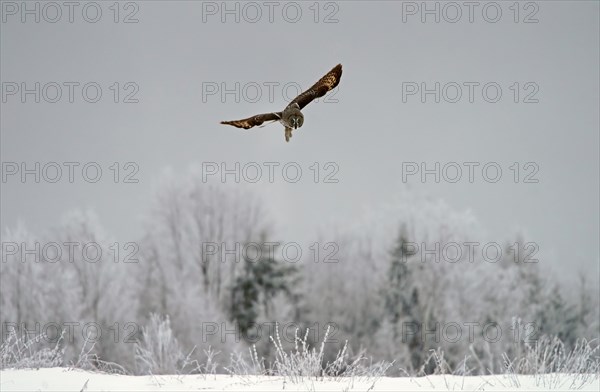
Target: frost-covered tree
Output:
[
  {"x": 69, "y": 281},
  {"x": 193, "y": 248},
  {"x": 23, "y": 283},
  {"x": 257, "y": 286}
]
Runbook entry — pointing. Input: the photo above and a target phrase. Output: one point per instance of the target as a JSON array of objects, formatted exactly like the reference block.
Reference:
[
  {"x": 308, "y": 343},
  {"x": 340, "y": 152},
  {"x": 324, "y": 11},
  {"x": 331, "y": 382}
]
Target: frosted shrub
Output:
[
  {"x": 306, "y": 362},
  {"x": 158, "y": 352},
  {"x": 20, "y": 353}
]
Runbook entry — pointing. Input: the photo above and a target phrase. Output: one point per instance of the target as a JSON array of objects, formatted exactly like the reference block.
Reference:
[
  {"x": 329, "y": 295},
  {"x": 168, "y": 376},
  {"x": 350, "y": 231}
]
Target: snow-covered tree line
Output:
[{"x": 406, "y": 279}]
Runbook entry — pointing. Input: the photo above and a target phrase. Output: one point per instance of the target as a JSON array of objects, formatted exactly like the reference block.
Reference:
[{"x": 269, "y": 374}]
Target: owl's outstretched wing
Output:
[
  {"x": 324, "y": 85},
  {"x": 253, "y": 121}
]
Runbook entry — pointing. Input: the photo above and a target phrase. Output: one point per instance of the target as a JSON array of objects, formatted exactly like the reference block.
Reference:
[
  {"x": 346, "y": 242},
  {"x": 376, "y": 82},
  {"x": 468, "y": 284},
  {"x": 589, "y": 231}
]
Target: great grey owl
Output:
[{"x": 291, "y": 117}]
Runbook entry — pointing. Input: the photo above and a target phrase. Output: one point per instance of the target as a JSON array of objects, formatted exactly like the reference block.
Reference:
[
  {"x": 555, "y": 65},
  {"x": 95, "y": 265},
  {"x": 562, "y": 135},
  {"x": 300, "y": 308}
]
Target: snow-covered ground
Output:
[{"x": 64, "y": 379}]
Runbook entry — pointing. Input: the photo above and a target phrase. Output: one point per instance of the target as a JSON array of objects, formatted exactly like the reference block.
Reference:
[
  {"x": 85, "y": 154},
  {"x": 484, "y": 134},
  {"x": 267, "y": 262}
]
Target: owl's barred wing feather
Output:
[
  {"x": 324, "y": 85},
  {"x": 253, "y": 121}
]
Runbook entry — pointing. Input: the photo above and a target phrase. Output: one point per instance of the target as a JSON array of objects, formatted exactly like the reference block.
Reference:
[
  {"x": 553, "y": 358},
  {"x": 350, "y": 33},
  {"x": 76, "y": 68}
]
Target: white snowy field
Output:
[{"x": 65, "y": 379}]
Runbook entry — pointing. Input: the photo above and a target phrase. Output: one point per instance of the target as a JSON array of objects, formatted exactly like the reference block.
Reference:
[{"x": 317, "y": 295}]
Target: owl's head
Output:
[{"x": 296, "y": 118}]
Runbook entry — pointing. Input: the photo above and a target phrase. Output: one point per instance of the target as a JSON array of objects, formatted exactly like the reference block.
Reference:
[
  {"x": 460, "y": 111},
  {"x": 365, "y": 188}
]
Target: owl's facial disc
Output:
[{"x": 297, "y": 121}]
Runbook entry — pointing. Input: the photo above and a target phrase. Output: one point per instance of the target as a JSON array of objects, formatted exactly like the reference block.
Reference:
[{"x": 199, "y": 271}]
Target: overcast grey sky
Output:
[{"x": 371, "y": 129}]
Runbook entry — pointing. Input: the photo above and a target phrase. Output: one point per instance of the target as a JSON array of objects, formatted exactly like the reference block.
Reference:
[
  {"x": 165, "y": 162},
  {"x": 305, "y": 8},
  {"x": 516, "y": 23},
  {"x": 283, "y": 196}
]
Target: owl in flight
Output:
[{"x": 291, "y": 117}]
